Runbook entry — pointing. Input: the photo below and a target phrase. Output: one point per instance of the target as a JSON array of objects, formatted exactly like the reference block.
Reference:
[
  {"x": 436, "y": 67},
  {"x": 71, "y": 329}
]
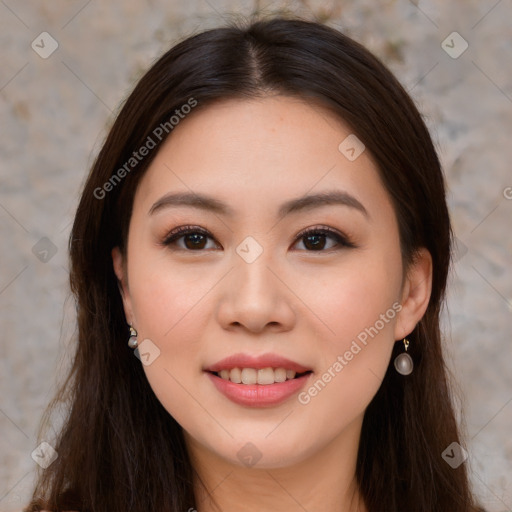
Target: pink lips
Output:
[{"x": 258, "y": 395}]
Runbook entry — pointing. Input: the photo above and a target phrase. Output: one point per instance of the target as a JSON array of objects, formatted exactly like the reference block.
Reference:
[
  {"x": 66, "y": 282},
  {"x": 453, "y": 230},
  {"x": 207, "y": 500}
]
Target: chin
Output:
[{"x": 254, "y": 451}]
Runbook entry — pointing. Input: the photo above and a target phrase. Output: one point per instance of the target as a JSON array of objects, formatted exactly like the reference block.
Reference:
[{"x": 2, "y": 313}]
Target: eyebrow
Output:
[{"x": 309, "y": 202}]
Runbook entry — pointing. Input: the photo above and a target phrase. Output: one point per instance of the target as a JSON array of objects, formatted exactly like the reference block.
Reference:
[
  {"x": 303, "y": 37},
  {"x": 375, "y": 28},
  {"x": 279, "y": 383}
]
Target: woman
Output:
[{"x": 265, "y": 229}]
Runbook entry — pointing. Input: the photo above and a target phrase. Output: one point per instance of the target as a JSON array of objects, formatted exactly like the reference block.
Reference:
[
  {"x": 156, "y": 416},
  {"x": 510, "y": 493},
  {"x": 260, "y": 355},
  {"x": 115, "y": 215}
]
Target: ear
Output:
[
  {"x": 120, "y": 271},
  {"x": 415, "y": 294}
]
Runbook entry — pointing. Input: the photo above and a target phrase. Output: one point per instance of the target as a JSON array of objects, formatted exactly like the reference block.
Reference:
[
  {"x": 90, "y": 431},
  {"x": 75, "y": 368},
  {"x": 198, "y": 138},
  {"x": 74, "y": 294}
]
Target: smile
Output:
[{"x": 259, "y": 395}]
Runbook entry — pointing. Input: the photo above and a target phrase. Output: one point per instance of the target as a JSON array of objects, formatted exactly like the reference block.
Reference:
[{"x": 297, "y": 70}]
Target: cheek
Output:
[
  {"x": 361, "y": 309},
  {"x": 170, "y": 313},
  {"x": 358, "y": 307},
  {"x": 170, "y": 308},
  {"x": 167, "y": 301},
  {"x": 354, "y": 297}
]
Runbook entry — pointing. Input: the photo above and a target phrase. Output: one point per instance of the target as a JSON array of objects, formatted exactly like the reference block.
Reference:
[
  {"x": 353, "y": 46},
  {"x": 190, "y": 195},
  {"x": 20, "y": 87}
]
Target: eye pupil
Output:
[
  {"x": 316, "y": 244},
  {"x": 195, "y": 237}
]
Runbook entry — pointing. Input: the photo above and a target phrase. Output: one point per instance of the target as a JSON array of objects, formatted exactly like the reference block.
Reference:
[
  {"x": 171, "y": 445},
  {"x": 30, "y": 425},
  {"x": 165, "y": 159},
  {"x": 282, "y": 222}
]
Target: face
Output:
[{"x": 266, "y": 271}]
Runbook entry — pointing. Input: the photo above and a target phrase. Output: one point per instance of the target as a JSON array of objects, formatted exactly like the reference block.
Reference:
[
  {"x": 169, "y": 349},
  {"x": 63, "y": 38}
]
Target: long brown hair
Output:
[{"x": 111, "y": 443}]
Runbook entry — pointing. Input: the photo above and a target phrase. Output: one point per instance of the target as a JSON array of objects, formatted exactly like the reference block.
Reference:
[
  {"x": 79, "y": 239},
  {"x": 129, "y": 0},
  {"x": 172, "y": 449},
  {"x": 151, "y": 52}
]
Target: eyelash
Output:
[{"x": 341, "y": 239}]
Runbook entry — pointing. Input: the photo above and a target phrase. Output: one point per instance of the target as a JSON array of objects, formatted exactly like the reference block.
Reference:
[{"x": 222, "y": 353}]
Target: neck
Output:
[{"x": 325, "y": 480}]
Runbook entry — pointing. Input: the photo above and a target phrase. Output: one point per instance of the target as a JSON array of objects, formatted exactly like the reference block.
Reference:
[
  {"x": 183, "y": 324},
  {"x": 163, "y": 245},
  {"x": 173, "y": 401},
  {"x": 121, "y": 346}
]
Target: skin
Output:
[{"x": 201, "y": 305}]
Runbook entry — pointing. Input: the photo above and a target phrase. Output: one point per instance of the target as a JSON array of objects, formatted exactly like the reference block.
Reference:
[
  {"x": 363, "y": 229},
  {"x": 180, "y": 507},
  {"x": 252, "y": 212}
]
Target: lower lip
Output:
[{"x": 259, "y": 395}]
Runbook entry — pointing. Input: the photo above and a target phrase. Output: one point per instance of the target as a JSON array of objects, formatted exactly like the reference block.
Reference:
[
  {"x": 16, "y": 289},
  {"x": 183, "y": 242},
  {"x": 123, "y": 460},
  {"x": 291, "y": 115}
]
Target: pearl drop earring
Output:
[
  {"x": 133, "y": 342},
  {"x": 403, "y": 362}
]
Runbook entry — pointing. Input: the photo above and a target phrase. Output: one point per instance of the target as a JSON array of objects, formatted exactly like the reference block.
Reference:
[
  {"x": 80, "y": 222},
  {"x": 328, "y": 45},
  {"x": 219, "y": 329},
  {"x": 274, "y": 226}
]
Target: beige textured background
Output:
[{"x": 54, "y": 116}]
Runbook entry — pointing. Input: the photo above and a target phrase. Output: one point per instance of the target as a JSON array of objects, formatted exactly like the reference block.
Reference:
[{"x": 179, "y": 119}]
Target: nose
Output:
[{"x": 255, "y": 297}]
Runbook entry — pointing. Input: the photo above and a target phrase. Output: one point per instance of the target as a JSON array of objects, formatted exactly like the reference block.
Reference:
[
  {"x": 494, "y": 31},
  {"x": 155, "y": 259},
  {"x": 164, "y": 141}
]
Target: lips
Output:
[
  {"x": 258, "y": 381},
  {"x": 256, "y": 362},
  {"x": 258, "y": 395}
]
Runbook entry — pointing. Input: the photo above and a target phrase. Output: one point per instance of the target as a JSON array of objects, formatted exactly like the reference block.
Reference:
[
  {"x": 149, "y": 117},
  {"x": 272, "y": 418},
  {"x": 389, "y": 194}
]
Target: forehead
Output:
[{"x": 251, "y": 153}]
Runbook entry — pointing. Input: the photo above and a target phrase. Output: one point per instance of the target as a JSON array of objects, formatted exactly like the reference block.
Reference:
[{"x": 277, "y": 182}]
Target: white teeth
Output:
[
  {"x": 265, "y": 376},
  {"x": 253, "y": 376},
  {"x": 249, "y": 376},
  {"x": 279, "y": 375},
  {"x": 235, "y": 375}
]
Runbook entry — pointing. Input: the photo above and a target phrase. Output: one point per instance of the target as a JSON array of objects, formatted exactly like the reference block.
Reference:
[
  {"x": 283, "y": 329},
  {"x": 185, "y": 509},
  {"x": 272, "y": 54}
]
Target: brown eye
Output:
[
  {"x": 194, "y": 238},
  {"x": 315, "y": 239}
]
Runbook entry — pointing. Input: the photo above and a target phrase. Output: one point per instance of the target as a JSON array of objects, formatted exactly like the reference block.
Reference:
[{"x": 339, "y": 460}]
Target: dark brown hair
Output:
[{"x": 111, "y": 443}]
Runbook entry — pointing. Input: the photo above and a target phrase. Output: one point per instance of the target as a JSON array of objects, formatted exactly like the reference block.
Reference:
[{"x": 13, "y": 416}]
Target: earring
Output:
[
  {"x": 133, "y": 342},
  {"x": 403, "y": 362}
]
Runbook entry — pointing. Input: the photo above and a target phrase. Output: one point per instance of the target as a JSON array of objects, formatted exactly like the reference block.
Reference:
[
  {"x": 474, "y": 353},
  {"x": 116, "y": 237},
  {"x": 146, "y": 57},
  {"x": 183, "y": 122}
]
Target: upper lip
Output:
[{"x": 257, "y": 362}]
